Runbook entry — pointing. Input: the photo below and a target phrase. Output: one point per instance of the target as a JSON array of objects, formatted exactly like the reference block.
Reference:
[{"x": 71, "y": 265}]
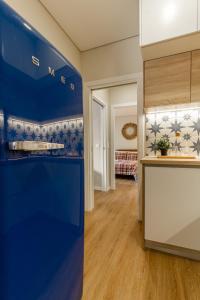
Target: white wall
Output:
[
  {"x": 124, "y": 94},
  {"x": 120, "y": 141},
  {"x": 116, "y": 59},
  {"x": 35, "y": 14}
]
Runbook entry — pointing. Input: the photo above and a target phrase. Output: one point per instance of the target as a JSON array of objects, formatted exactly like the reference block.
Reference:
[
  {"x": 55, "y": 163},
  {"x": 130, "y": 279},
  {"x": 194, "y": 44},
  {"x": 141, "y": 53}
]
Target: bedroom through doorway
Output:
[
  {"x": 125, "y": 144},
  {"x": 114, "y": 134}
]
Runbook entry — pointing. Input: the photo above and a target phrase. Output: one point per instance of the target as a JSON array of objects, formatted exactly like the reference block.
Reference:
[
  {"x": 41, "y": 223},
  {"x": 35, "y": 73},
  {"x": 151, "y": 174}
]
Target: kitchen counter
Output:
[{"x": 194, "y": 162}]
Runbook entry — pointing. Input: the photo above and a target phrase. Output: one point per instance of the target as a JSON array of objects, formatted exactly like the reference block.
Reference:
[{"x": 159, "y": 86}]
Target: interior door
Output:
[{"x": 98, "y": 145}]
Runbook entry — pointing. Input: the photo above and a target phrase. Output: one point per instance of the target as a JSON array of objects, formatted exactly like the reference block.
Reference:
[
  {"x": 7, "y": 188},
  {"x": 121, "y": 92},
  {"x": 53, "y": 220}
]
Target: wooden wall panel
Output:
[
  {"x": 195, "y": 78},
  {"x": 167, "y": 80}
]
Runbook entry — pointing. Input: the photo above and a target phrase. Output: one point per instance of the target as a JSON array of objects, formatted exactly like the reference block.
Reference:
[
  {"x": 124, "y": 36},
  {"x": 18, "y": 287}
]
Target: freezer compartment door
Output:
[{"x": 41, "y": 229}]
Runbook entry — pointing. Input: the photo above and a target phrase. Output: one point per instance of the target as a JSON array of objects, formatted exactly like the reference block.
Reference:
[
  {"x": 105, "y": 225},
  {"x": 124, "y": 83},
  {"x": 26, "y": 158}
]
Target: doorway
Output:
[
  {"x": 89, "y": 87},
  {"x": 110, "y": 106}
]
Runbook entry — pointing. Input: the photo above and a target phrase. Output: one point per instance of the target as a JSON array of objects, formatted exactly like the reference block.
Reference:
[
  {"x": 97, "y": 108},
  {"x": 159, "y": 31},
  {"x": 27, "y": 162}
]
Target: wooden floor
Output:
[{"x": 116, "y": 266}]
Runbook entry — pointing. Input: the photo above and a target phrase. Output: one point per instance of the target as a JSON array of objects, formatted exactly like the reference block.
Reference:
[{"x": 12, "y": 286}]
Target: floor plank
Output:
[{"x": 116, "y": 266}]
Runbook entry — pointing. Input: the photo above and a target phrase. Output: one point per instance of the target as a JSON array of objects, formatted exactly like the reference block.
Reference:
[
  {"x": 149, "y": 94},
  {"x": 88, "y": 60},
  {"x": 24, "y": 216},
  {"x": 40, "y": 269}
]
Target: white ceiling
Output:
[
  {"x": 93, "y": 23},
  {"x": 126, "y": 110}
]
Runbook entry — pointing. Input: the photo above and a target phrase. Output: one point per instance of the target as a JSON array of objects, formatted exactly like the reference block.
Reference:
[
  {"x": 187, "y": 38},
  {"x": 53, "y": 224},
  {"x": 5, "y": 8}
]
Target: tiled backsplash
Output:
[{"x": 167, "y": 124}]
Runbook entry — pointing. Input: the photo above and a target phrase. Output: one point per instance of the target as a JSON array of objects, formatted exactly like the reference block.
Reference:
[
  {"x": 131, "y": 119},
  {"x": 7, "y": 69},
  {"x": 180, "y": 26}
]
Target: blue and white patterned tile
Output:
[
  {"x": 29, "y": 129},
  {"x": 63, "y": 126},
  {"x": 196, "y": 126},
  {"x": 186, "y": 136},
  {"x": 150, "y": 118},
  {"x": 186, "y": 129},
  {"x": 37, "y": 132},
  {"x": 176, "y": 126},
  {"x": 72, "y": 125},
  {"x": 155, "y": 128},
  {"x": 195, "y": 148},
  {"x": 194, "y": 137},
  {"x": 186, "y": 122},
  {"x": 186, "y": 117},
  {"x": 166, "y": 133},
  {"x": 151, "y": 146},
  {"x": 186, "y": 146},
  {"x": 165, "y": 118},
  {"x": 150, "y": 134}
]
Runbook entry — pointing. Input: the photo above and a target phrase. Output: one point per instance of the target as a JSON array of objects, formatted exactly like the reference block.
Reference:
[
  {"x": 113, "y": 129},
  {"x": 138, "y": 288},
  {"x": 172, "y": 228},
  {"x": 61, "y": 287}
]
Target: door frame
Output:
[
  {"x": 103, "y": 117},
  {"x": 87, "y": 100}
]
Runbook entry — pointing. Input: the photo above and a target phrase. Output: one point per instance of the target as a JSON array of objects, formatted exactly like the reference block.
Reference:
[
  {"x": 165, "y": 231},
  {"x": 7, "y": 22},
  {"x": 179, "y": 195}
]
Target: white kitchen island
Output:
[{"x": 172, "y": 205}]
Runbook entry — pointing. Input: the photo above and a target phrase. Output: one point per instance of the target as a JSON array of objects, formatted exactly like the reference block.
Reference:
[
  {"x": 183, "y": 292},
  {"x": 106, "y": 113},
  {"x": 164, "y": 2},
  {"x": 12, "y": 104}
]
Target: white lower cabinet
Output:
[{"x": 172, "y": 206}]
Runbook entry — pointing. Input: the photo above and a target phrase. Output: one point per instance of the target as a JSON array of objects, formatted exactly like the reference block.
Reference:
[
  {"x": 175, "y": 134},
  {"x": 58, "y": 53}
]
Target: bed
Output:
[{"x": 126, "y": 163}]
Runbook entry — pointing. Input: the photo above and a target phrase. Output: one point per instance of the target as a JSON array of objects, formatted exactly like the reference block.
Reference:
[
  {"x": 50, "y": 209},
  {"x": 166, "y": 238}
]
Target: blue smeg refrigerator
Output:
[{"x": 41, "y": 167}]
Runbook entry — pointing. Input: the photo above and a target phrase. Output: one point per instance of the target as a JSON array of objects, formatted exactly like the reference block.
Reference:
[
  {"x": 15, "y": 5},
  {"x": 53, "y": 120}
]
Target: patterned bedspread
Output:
[
  {"x": 124, "y": 167},
  {"x": 125, "y": 163}
]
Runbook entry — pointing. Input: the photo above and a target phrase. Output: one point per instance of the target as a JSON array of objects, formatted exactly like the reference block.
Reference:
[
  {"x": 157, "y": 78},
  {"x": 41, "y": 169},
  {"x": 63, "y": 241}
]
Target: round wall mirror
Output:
[{"x": 129, "y": 131}]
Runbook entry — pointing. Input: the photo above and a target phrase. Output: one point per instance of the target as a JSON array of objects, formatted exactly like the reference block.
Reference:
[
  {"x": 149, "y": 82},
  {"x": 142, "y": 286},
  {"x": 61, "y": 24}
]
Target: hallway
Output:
[{"x": 116, "y": 266}]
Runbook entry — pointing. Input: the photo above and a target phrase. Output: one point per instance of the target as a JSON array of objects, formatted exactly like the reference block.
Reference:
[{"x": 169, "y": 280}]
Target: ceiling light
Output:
[{"x": 169, "y": 12}]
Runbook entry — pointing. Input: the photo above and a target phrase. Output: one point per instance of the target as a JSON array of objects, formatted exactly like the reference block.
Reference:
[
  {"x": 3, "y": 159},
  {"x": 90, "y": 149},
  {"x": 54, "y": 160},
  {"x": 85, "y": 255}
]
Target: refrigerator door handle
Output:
[{"x": 34, "y": 146}]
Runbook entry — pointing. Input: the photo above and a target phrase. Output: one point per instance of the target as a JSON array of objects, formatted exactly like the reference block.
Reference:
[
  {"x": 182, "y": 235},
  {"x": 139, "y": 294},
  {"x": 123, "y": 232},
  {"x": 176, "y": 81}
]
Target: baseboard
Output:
[
  {"x": 113, "y": 187},
  {"x": 98, "y": 188},
  {"x": 174, "y": 250},
  {"x": 107, "y": 189}
]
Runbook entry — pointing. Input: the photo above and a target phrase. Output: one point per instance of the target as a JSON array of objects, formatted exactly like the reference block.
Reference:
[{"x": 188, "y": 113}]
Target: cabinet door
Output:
[
  {"x": 195, "y": 78},
  {"x": 172, "y": 206},
  {"x": 198, "y": 15},
  {"x": 167, "y": 80},
  {"x": 164, "y": 19}
]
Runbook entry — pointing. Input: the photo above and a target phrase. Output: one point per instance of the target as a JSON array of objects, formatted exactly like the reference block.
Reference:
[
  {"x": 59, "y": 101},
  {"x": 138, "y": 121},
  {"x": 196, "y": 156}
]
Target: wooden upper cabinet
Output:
[
  {"x": 195, "y": 78},
  {"x": 167, "y": 80}
]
